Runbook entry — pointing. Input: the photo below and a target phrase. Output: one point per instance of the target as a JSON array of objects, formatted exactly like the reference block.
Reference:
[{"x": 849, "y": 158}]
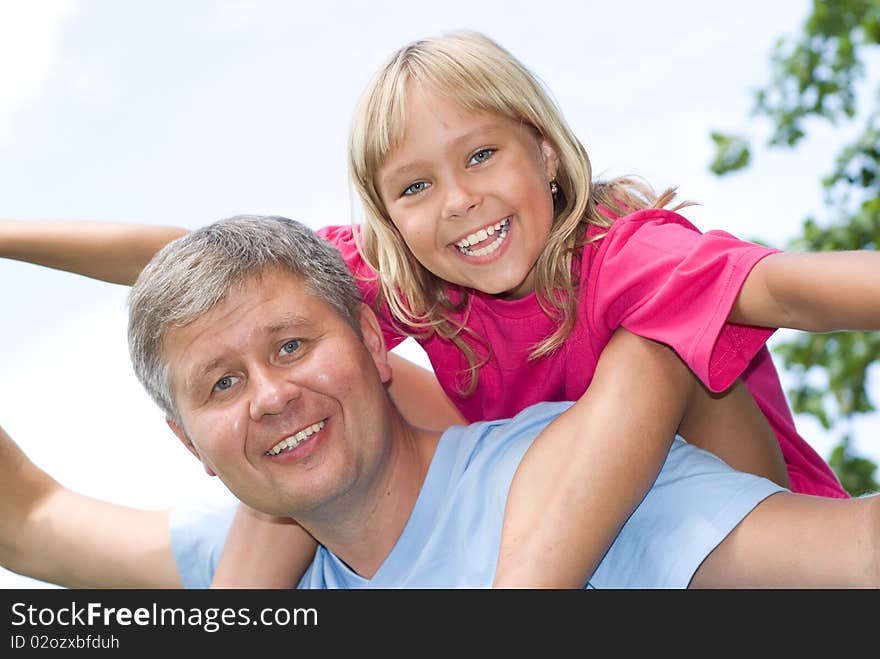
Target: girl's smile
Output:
[
  {"x": 485, "y": 241},
  {"x": 468, "y": 192}
]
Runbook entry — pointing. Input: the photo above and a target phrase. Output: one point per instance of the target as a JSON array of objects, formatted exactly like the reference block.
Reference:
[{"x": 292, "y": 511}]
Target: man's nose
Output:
[{"x": 272, "y": 390}]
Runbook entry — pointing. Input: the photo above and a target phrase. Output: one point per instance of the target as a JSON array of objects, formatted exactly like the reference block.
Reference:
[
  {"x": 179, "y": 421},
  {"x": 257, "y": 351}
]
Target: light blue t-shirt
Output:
[{"x": 452, "y": 537}]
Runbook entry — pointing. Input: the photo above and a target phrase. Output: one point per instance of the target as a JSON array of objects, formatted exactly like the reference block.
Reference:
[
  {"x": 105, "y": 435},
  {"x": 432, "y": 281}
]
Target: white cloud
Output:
[
  {"x": 249, "y": 12},
  {"x": 29, "y": 39}
]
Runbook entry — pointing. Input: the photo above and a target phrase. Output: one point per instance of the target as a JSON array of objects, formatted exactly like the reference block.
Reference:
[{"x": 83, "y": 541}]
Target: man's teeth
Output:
[
  {"x": 501, "y": 229},
  {"x": 295, "y": 440}
]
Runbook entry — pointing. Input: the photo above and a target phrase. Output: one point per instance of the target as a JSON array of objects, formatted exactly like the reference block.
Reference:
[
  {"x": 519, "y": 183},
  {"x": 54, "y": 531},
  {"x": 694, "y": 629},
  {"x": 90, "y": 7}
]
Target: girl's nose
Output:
[{"x": 461, "y": 197}]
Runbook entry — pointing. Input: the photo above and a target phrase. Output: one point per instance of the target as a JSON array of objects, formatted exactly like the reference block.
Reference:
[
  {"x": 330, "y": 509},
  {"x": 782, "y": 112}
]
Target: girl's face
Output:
[{"x": 469, "y": 192}]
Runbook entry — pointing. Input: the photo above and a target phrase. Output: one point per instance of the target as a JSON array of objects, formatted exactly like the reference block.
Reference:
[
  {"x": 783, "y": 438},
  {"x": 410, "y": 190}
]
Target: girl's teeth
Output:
[{"x": 481, "y": 235}]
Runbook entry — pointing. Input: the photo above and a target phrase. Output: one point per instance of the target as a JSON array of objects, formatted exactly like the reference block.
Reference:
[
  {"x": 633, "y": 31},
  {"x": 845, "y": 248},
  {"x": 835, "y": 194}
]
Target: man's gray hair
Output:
[{"x": 193, "y": 274}]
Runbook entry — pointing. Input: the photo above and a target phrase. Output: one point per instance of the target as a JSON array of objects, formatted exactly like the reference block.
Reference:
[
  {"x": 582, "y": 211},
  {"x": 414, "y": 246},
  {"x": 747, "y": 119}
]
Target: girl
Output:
[{"x": 486, "y": 240}]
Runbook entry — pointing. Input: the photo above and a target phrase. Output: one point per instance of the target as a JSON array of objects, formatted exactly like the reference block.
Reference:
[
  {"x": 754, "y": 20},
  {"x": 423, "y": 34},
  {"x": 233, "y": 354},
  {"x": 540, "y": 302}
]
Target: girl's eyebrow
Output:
[{"x": 406, "y": 170}]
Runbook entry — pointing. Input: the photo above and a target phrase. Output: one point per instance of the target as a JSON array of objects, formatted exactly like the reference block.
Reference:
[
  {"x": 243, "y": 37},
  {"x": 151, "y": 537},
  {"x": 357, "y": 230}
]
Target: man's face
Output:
[{"x": 279, "y": 397}]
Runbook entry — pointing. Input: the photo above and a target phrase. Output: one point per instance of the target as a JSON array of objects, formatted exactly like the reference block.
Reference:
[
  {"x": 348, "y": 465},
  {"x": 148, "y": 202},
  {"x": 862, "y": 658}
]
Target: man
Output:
[{"x": 251, "y": 337}]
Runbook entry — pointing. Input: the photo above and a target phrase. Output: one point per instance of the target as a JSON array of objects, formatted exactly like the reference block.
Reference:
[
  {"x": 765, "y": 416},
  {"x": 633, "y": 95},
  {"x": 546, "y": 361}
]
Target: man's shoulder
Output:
[
  {"x": 537, "y": 414},
  {"x": 498, "y": 434}
]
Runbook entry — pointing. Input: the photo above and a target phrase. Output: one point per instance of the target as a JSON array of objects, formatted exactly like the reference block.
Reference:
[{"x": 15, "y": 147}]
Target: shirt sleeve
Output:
[
  {"x": 656, "y": 275},
  {"x": 198, "y": 533},
  {"x": 342, "y": 237},
  {"x": 696, "y": 501}
]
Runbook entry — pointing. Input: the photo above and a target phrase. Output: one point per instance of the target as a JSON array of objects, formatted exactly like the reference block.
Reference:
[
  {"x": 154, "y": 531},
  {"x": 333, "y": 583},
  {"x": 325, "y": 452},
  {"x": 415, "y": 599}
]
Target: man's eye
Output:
[
  {"x": 225, "y": 383},
  {"x": 291, "y": 346},
  {"x": 415, "y": 188},
  {"x": 481, "y": 156}
]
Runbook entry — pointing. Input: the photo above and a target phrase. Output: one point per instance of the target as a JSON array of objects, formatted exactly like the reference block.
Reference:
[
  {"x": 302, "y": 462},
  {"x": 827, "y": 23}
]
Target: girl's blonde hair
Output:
[{"x": 480, "y": 75}]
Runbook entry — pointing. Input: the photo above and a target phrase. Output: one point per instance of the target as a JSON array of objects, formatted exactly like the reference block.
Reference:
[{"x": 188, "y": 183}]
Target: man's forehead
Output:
[
  {"x": 264, "y": 304},
  {"x": 274, "y": 283},
  {"x": 268, "y": 284}
]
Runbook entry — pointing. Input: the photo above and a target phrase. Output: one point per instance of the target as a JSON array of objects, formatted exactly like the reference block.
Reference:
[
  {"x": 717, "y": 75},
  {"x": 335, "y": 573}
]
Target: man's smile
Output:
[{"x": 290, "y": 443}]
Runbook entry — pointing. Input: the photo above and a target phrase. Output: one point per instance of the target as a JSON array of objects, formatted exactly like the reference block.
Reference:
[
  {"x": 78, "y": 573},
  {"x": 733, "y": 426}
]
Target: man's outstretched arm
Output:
[
  {"x": 799, "y": 541},
  {"x": 50, "y": 533}
]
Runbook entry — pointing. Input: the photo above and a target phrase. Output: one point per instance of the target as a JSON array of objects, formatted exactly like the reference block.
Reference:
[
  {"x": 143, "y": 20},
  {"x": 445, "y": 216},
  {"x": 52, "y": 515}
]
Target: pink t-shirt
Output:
[{"x": 654, "y": 274}]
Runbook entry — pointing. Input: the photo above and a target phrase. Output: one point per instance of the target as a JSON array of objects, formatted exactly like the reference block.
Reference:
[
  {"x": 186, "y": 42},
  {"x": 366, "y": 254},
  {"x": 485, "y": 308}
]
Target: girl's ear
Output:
[
  {"x": 550, "y": 158},
  {"x": 177, "y": 430}
]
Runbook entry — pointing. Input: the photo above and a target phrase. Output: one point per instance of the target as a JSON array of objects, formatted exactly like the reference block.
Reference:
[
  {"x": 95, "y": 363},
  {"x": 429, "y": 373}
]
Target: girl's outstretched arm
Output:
[
  {"x": 113, "y": 252},
  {"x": 812, "y": 291},
  {"x": 589, "y": 469}
]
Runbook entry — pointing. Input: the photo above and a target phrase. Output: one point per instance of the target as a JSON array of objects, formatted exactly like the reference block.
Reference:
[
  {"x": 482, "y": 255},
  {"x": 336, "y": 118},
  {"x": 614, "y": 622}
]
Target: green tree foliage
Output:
[
  {"x": 816, "y": 75},
  {"x": 856, "y": 473},
  {"x": 731, "y": 153}
]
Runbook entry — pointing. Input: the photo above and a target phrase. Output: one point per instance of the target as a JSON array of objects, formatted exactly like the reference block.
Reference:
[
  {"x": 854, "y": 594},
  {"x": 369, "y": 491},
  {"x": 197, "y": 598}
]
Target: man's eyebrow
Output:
[
  {"x": 287, "y": 322},
  {"x": 200, "y": 371}
]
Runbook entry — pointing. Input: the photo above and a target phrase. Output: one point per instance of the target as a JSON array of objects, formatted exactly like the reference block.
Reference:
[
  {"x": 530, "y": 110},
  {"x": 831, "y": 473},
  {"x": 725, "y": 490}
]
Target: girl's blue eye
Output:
[
  {"x": 415, "y": 188},
  {"x": 481, "y": 156},
  {"x": 291, "y": 346}
]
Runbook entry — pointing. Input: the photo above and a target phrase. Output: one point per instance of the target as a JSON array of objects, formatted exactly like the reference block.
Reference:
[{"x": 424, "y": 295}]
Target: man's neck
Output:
[{"x": 365, "y": 524}]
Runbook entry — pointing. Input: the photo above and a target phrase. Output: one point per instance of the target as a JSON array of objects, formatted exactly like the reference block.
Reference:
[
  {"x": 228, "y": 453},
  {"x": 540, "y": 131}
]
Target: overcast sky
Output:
[{"x": 185, "y": 112}]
